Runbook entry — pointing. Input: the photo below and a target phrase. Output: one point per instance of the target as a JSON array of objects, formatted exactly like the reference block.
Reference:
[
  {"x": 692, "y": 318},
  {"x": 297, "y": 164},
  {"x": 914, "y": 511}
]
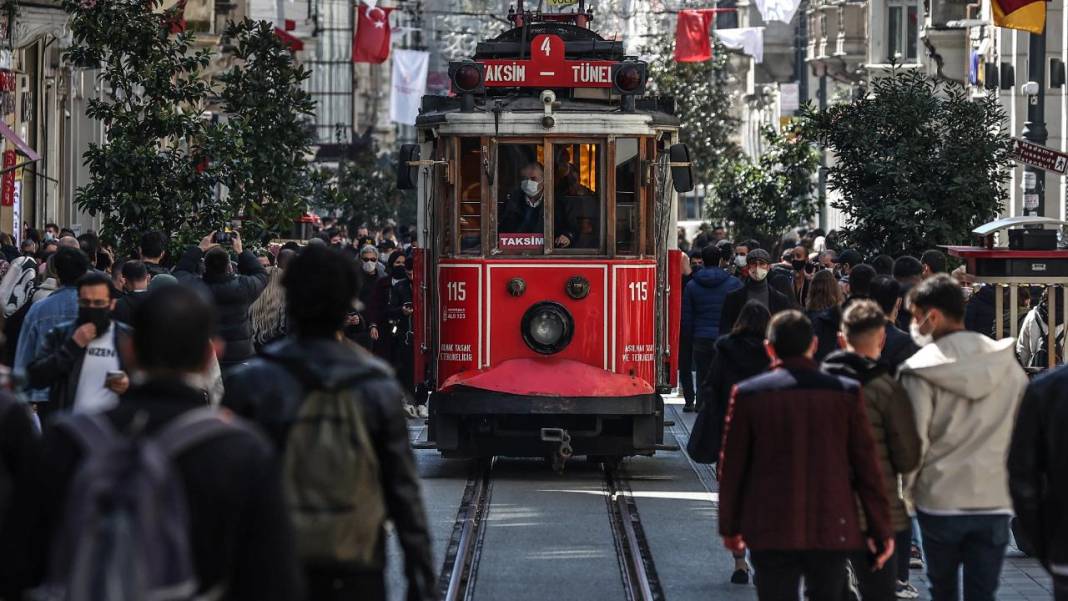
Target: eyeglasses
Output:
[
  {"x": 94, "y": 304},
  {"x": 368, "y": 259}
]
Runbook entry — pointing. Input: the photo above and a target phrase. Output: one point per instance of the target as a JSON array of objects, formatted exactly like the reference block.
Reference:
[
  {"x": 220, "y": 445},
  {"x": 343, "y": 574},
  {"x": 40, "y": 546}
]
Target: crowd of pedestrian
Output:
[
  {"x": 214, "y": 424},
  {"x": 861, "y": 415}
]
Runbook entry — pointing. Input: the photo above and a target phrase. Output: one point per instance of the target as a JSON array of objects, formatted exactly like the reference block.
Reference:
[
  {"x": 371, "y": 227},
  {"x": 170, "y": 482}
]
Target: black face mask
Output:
[
  {"x": 99, "y": 317},
  {"x": 398, "y": 272},
  {"x": 799, "y": 264}
]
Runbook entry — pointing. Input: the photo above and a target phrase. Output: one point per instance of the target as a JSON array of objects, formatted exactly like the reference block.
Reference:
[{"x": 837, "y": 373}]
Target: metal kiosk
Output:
[{"x": 1031, "y": 258}]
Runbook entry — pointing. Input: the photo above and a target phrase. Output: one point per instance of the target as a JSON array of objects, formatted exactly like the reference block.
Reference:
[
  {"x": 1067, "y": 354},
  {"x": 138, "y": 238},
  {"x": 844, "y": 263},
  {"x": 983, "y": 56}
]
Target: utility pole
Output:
[
  {"x": 801, "y": 43},
  {"x": 1034, "y": 179}
]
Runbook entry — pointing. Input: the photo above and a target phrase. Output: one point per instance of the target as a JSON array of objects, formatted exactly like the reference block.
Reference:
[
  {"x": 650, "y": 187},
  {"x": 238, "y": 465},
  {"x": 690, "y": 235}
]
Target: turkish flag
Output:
[
  {"x": 692, "y": 41},
  {"x": 371, "y": 42}
]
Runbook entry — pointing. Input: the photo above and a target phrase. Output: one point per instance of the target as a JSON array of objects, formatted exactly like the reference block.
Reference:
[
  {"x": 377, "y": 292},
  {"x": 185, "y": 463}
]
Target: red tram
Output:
[{"x": 547, "y": 282}]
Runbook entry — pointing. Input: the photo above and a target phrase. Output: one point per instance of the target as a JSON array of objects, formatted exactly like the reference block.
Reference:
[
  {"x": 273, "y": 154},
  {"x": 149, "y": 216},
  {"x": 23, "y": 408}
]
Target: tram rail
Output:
[
  {"x": 460, "y": 571},
  {"x": 640, "y": 581}
]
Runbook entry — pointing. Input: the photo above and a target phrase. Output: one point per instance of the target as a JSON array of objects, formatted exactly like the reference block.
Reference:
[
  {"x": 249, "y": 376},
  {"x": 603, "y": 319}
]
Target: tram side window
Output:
[
  {"x": 627, "y": 197},
  {"x": 470, "y": 196},
  {"x": 578, "y": 207},
  {"x": 520, "y": 198}
]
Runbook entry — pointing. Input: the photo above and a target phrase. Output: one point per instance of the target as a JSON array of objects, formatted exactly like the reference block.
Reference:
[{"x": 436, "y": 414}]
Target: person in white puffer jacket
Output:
[
  {"x": 1034, "y": 334},
  {"x": 965, "y": 389},
  {"x": 17, "y": 287}
]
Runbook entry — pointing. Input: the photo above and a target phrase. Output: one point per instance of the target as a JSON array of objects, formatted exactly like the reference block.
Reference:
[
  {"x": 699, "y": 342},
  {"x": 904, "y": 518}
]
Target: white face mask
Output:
[
  {"x": 530, "y": 187},
  {"x": 739, "y": 260},
  {"x": 758, "y": 273},
  {"x": 369, "y": 266},
  {"x": 918, "y": 336}
]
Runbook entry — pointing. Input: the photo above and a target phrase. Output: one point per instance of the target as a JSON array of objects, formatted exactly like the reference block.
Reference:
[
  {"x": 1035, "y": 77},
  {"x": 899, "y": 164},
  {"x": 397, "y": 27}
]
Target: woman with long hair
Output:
[
  {"x": 824, "y": 310},
  {"x": 739, "y": 355}
]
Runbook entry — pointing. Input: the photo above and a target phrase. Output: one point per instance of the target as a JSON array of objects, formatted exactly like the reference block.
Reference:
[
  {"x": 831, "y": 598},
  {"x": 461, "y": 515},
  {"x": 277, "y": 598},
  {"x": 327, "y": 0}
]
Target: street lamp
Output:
[{"x": 1034, "y": 179}]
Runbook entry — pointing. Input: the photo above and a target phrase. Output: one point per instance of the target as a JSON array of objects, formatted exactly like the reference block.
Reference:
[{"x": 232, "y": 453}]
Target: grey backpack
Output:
[{"x": 125, "y": 533}]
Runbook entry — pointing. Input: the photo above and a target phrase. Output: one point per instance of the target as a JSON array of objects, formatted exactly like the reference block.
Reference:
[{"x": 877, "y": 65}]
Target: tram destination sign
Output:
[
  {"x": 1038, "y": 156},
  {"x": 547, "y": 67}
]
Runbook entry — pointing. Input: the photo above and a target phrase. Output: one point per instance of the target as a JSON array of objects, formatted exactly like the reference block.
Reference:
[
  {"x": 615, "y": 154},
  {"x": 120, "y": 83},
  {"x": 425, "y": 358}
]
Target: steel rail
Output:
[
  {"x": 461, "y": 565},
  {"x": 640, "y": 582}
]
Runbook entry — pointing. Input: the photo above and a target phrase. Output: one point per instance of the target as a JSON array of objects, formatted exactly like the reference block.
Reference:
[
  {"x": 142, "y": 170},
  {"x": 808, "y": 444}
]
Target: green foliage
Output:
[
  {"x": 363, "y": 192},
  {"x": 918, "y": 162},
  {"x": 262, "y": 150},
  {"x": 161, "y": 163},
  {"x": 763, "y": 199},
  {"x": 703, "y": 104},
  {"x": 149, "y": 174}
]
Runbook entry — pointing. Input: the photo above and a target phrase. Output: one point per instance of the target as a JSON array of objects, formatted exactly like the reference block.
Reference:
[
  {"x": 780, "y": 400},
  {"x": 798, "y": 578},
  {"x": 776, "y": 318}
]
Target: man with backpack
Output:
[
  {"x": 334, "y": 412},
  {"x": 19, "y": 446},
  {"x": 163, "y": 497}
]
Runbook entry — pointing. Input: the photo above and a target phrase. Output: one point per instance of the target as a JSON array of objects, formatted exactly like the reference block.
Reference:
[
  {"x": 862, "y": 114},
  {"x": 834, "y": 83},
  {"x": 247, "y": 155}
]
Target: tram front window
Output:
[
  {"x": 571, "y": 187},
  {"x": 520, "y": 198},
  {"x": 577, "y": 202}
]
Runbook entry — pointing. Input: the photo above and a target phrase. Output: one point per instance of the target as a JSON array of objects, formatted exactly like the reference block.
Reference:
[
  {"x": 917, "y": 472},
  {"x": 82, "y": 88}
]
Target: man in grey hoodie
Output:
[{"x": 965, "y": 389}]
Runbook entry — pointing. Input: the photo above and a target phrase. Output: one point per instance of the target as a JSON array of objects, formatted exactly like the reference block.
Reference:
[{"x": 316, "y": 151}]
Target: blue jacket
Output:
[
  {"x": 45, "y": 314},
  {"x": 702, "y": 301}
]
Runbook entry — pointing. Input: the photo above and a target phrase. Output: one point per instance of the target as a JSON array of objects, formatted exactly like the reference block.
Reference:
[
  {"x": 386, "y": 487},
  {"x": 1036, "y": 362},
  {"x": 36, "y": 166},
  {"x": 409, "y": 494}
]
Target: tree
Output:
[
  {"x": 363, "y": 191},
  {"x": 150, "y": 174},
  {"x": 263, "y": 147},
  {"x": 764, "y": 198},
  {"x": 918, "y": 162},
  {"x": 702, "y": 103}
]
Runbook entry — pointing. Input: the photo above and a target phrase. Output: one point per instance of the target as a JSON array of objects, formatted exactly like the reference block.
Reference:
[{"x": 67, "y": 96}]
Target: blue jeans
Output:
[{"x": 976, "y": 542}]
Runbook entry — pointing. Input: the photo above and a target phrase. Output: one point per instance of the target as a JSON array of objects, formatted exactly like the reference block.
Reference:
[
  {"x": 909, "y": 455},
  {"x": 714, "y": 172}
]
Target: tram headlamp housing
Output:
[
  {"x": 467, "y": 77},
  {"x": 547, "y": 328},
  {"x": 629, "y": 77}
]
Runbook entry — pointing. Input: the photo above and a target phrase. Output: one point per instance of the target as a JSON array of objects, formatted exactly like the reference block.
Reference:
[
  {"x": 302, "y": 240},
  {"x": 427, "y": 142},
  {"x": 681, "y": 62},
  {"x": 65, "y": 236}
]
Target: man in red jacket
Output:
[{"x": 797, "y": 454}]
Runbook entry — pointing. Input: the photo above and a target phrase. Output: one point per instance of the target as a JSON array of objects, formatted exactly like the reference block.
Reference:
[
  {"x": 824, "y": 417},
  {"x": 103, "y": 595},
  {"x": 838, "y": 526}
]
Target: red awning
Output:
[
  {"x": 293, "y": 42},
  {"x": 23, "y": 147}
]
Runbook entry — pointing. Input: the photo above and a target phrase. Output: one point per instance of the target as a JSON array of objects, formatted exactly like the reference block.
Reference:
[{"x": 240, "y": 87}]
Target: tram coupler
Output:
[{"x": 563, "y": 450}]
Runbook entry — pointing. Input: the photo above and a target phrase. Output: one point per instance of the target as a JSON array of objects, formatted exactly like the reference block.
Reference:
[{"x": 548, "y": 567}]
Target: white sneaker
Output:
[
  {"x": 421, "y": 411},
  {"x": 410, "y": 410},
  {"x": 905, "y": 590}
]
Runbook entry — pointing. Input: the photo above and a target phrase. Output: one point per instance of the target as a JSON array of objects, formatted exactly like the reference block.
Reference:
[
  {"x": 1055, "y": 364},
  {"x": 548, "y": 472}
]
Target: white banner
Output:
[
  {"x": 749, "y": 40},
  {"x": 777, "y": 10},
  {"x": 408, "y": 85}
]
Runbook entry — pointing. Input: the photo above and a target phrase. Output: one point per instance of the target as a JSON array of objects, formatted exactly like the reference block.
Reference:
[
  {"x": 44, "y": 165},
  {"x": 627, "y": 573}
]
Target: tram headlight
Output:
[
  {"x": 547, "y": 328},
  {"x": 467, "y": 77},
  {"x": 629, "y": 77}
]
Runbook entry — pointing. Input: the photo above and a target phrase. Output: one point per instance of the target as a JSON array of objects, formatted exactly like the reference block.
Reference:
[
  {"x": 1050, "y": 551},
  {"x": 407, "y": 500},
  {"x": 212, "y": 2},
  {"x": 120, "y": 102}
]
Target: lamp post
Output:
[{"x": 1034, "y": 179}]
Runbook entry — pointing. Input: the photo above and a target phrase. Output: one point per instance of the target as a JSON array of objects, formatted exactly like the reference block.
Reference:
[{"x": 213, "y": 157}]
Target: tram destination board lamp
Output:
[{"x": 468, "y": 79}]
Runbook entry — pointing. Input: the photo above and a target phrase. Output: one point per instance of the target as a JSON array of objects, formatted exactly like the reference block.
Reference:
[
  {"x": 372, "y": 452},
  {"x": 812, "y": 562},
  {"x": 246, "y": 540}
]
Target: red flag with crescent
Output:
[{"x": 371, "y": 42}]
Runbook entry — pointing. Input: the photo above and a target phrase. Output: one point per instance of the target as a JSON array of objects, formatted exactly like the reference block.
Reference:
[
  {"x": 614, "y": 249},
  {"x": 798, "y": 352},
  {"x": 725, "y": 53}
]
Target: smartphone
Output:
[
  {"x": 114, "y": 375},
  {"x": 223, "y": 236}
]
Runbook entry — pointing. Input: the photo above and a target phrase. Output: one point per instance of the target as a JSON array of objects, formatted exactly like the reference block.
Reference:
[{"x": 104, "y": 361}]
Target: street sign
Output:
[
  {"x": 7, "y": 182},
  {"x": 1041, "y": 157}
]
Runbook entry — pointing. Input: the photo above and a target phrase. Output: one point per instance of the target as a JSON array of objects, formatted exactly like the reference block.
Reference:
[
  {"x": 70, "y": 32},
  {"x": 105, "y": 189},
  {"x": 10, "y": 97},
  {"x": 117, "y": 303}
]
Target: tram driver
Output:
[{"x": 576, "y": 208}]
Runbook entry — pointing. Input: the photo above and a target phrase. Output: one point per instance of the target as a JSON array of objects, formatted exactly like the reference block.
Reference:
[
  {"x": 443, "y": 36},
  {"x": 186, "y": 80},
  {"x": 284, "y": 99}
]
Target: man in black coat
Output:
[
  {"x": 758, "y": 263},
  {"x": 320, "y": 286},
  {"x": 233, "y": 293},
  {"x": 19, "y": 448},
  {"x": 886, "y": 291},
  {"x": 1038, "y": 473},
  {"x": 241, "y": 539}
]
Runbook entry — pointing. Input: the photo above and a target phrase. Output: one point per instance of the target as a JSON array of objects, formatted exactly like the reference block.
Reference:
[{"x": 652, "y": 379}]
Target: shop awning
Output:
[{"x": 19, "y": 143}]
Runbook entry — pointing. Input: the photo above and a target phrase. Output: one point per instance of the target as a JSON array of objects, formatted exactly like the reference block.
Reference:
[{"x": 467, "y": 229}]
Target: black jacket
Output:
[
  {"x": 825, "y": 325},
  {"x": 127, "y": 304},
  {"x": 241, "y": 532},
  {"x": 1038, "y": 466},
  {"x": 233, "y": 295},
  {"x": 738, "y": 357},
  {"x": 58, "y": 365},
  {"x": 732, "y": 305},
  {"x": 899, "y": 347},
  {"x": 19, "y": 450},
  {"x": 155, "y": 269},
  {"x": 269, "y": 390}
]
